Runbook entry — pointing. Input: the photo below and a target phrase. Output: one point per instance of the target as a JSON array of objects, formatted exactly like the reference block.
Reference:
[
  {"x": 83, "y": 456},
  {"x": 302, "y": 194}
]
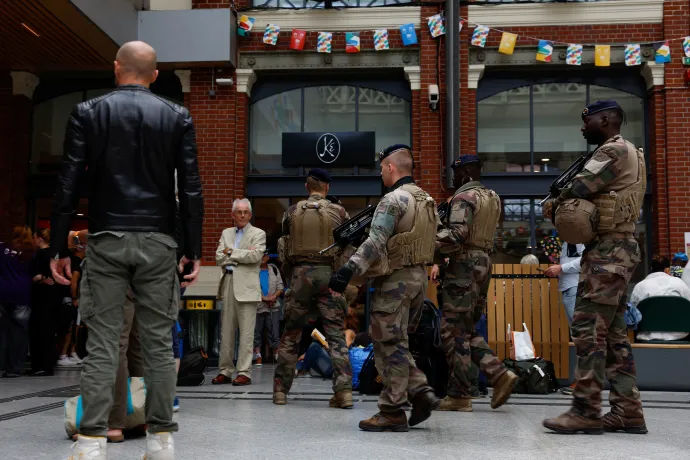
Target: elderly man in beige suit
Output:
[{"x": 239, "y": 252}]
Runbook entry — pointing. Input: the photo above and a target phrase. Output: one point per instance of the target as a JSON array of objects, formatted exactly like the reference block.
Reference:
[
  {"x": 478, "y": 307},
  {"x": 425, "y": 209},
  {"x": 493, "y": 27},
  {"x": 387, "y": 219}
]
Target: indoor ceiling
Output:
[{"x": 51, "y": 36}]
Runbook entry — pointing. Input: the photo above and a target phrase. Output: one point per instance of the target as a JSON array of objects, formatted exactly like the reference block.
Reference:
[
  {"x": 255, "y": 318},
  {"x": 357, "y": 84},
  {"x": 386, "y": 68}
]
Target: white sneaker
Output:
[
  {"x": 159, "y": 446},
  {"x": 74, "y": 357},
  {"x": 89, "y": 448},
  {"x": 64, "y": 361}
]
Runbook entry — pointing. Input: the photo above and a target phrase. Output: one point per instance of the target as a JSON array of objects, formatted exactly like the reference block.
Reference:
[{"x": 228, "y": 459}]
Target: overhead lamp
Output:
[
  {"x": 544, "y": 159},
  {"x": 30, "y": 29}
]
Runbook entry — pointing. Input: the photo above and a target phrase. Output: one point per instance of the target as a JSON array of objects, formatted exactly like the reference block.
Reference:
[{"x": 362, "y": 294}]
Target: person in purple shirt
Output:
[{"x": 15, "y": 294}]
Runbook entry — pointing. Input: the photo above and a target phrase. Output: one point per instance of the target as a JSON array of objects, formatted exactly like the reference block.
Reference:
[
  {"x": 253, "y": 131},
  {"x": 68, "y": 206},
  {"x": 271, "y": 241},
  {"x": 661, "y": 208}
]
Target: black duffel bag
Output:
[
  {"x": 370, "y": 382},
  {"x": 535, "y": 376},
  {"x": 192, "y": 368}
]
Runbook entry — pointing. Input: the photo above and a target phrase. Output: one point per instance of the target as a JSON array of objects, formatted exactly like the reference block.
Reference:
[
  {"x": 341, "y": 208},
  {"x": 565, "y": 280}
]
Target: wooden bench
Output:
[{"x": 521, "y": 294}]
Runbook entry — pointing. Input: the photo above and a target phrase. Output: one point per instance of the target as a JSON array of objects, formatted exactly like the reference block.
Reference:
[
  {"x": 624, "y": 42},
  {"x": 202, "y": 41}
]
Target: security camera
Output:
[{"x": 433, "y": 97}]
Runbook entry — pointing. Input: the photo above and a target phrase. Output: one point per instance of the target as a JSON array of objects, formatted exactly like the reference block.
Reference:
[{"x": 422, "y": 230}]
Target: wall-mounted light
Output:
[
  {"x": 544, "y": 159},
  {"x": 30, "y": 29},
  {"x": 224, "y": 81},
  {"x": 80, "y": 215}
]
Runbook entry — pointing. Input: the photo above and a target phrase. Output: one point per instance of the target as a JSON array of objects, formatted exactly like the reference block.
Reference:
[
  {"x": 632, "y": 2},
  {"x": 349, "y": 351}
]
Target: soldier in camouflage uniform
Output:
[
  {"x": 467, "y": 240},
  {"x": 615, "y": 172},
  {"x": 308, "y": 285},
  {"x": 400, "y": 242}
]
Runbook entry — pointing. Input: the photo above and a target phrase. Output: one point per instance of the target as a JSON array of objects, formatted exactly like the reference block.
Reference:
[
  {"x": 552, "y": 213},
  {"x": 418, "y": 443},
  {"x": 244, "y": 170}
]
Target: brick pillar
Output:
[
  {"x": 15, "y": 142},
  {"x": 215, "y": 121},
  {"x": 657, "y": 156},
  {"x": 431, "y": 123},
  {"x": 468, "y": 101},
  {"x": 677, "y": 100}
]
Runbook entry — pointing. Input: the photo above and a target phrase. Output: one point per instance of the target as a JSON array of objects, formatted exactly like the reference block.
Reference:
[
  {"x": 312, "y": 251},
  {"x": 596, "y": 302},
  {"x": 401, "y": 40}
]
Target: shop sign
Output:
[
  {"x": 329, "y": 150},
  {"x": 199, "y": 304}
]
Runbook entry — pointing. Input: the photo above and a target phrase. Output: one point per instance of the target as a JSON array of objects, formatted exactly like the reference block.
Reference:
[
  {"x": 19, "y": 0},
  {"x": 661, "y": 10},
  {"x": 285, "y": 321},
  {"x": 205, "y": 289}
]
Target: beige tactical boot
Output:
[
  {"x": 89, "y": 448},
  {"x": 503, "y": 388},
  {"x": 342, "y": 400},
  {"x": 456, "y": 404},
  {"x": 279, "y": 398}
]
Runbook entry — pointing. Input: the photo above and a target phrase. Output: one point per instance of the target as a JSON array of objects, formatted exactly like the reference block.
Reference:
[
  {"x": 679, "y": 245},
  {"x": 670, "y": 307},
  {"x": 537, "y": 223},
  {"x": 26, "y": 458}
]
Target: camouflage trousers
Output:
[
  {"x": 309, "y": 286},
  {"x": 395, "y": 296},
  {"x": 465, "y": 289},
  {"x": 600, "y": 333}
]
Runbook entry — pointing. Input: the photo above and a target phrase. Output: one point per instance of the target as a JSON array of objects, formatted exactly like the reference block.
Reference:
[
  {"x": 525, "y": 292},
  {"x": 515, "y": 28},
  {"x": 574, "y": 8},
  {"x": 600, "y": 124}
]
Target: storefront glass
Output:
[{"x": 336, "y": 108}]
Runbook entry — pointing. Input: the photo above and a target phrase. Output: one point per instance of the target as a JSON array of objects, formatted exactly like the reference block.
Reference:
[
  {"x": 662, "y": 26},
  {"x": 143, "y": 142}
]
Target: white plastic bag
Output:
[{"x": 521, "y": 346}]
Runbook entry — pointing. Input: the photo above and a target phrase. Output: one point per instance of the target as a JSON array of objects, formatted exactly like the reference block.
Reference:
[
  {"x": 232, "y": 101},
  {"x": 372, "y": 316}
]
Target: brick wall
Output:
[
  {"x": 674, "y": 191},
  {"x": 15, "y": 132}
]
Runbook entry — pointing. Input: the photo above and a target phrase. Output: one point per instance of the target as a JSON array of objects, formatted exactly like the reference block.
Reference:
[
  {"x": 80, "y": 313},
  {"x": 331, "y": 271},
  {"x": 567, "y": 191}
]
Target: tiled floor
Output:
[{"x": 241, "y": 423}]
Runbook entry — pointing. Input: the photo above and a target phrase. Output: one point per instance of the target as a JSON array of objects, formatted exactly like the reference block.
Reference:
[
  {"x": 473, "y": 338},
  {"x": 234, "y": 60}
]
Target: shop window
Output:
[
  {"x": 320, "y": 4},
  {"x": 337, "y": 108},
  {"x": 48, "y": 134},
  {"x": 268, "y": 216},
  {"x": 536, "y": 128}
]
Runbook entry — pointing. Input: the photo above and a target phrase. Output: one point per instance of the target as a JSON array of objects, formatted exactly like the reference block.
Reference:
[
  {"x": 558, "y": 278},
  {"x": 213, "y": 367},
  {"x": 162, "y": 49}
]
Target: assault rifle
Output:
[
  {"x": 567, "y": 177},
  {"x": 355, "y": 230}
]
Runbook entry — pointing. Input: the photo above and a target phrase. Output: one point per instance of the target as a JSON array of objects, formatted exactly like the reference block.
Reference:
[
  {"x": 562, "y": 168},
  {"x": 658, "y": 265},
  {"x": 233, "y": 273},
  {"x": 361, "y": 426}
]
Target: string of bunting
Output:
[{"x": 480, "y": 35}]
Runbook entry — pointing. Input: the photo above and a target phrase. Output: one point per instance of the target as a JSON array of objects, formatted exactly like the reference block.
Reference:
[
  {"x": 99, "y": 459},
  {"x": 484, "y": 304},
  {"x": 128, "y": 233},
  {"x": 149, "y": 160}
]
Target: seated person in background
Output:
[
  {"x": 529, "y": 259},
  {"x": 656, "y": 284},
  {"x": 680, "y": 260}
]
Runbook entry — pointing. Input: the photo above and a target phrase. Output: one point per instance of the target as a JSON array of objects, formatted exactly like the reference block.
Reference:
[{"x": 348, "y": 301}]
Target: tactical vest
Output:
[
  {"x": 415, "y": 246},
  {"x": 485, "y": 217},
  {"x": 619, "y": 210},
  {"x": 311, "y": 230}
]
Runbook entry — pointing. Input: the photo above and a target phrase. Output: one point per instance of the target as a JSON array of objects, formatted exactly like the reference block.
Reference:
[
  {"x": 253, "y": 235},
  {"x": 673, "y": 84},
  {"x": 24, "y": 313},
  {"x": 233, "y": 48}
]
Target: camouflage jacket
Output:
[
  {"x": 384, "y": 225},
  {"x": 600, "y": 172},
  {"x": 462, "y": 205}
]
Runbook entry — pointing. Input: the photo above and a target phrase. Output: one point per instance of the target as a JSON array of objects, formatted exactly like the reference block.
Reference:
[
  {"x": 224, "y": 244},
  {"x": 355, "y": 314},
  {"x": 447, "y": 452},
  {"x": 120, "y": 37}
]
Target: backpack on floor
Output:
[
  {"x": 358, "y": 356},
  {"x": 425, "y": 347},
  {"x": 535, "y": 376},
  {"x": 136, "y": 413},
  {"x": 192, "y": 368},
  {"x": 370, "y": 382}
]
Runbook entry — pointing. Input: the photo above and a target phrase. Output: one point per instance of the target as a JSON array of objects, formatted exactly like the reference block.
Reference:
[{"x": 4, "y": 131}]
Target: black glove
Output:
[{"x": 340, "y": 279}]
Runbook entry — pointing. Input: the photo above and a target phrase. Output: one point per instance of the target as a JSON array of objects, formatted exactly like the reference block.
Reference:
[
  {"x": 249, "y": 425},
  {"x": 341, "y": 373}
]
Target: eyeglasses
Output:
[{"x": 243, "y": 213}]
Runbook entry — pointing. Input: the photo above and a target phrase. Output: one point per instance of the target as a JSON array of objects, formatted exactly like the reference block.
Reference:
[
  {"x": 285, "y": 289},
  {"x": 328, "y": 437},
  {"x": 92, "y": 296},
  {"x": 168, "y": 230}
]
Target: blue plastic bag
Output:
[
  {"x": 357, "y": 357},
  {"x": 633, "y": 316}
]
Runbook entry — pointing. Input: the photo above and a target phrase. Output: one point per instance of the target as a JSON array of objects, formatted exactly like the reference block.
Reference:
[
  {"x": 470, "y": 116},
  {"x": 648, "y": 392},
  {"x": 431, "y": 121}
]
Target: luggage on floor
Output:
[
  {"x": 192, "y": 368},
  {"x": 370, "y": 382},
  {"x": 535, "y": 376},
  {"x": 425, "y": 347},
  {"x": 136, "y": 401}
]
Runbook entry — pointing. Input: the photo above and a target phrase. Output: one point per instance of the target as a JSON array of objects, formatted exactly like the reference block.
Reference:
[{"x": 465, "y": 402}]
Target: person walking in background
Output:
[
  {"x": 125, "y": 147},
  {"x": 239, "y": 252},
  {"x": 15, "y": 300},
  {"x": 69, "y": 314},
  {"x": 568, "y": 273},
  {"x": 46, "y": 301},
  {"x": 268, "y": 313}
]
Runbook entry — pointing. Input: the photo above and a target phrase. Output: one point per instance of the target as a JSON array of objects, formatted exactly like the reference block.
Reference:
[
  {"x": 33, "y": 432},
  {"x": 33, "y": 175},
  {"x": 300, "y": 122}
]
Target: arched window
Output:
[
  {"x": 337, "y": 108},
  {"x": 536, "y": 128}
]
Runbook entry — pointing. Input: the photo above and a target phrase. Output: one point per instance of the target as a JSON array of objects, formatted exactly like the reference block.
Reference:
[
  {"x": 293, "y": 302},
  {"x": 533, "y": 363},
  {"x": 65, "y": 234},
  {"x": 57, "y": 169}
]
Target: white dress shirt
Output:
[
  {"x": 570, "y": 268},
  {"x": 660, "y": 284}
]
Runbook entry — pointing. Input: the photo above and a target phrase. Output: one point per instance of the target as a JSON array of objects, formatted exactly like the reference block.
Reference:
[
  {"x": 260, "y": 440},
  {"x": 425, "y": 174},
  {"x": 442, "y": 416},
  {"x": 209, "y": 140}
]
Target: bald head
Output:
[{"x": 135, "y": 63}]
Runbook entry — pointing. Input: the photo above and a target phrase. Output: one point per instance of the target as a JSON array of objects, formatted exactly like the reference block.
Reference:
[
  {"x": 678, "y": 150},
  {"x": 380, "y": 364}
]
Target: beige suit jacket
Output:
[{"x": 246, "y": 262}]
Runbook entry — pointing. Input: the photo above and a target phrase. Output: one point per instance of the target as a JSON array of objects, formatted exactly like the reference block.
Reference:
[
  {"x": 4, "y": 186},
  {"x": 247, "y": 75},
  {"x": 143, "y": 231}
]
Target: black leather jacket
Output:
[{"x": 127, "y": 145}]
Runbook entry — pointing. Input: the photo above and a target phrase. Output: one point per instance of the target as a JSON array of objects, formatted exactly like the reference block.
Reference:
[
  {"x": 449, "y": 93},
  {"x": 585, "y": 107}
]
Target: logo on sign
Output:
[{"x": 328, "y": 148}]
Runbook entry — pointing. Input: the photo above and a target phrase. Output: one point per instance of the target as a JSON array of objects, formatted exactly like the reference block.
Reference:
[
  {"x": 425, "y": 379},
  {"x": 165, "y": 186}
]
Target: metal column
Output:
[{"x": 452, "y": 23}]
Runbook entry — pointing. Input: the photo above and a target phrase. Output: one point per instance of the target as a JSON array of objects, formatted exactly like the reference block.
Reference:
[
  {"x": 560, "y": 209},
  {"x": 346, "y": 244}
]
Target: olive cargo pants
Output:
[{"x": 146, "y": 262}]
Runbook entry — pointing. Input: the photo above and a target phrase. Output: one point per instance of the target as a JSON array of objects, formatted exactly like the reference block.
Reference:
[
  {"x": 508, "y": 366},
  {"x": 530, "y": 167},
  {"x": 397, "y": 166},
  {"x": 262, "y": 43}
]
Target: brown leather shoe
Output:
[
  {"x": 422, "y": 406},
  {"x": 450, "y": 403},
  {"x": 259, "y": 361},
  {"x": 342, "y": 400},
  {"x": 241, "y": 381},
  {"x": 503, "y": 388},
  {"x": 279, "y": 398},
  {"x": 221, "y": 379},
  {"x": 572, "y": 423},
  {"x": 394, "y": 421},
  {"x": 614, "y": 422}
]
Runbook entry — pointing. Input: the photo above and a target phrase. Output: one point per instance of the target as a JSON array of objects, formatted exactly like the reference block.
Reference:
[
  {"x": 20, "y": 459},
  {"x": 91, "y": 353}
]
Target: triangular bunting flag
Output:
[
  {"x": 686, "y": 46},
  {"x": 299, "y": 37},
  {"x": 408, "y": 34}
]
